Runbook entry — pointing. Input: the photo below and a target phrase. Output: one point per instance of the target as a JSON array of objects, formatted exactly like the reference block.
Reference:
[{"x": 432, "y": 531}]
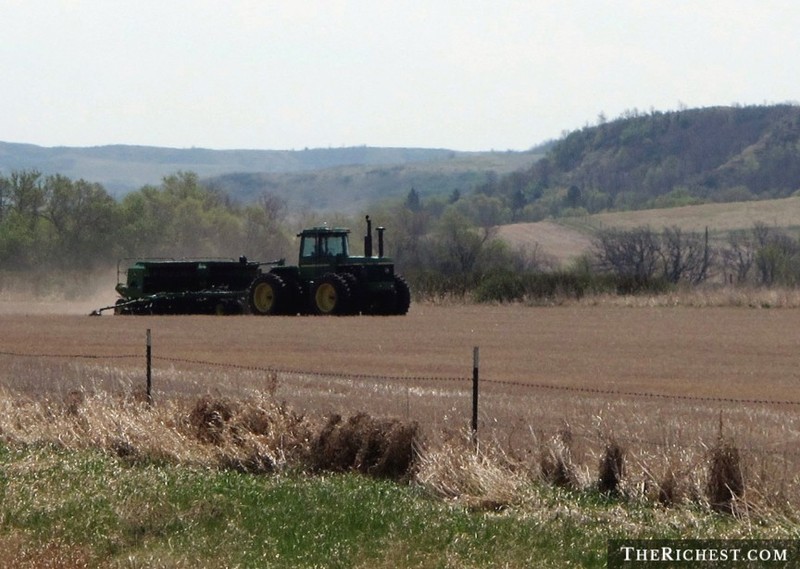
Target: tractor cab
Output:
[
  {"x": 322, "y": 249},
  {"x": 323, "y": 244}
]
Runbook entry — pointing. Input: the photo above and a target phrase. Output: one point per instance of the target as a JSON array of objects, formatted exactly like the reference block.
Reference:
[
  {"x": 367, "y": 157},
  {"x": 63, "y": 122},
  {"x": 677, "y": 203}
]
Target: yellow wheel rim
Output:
[
  {"x": 326, "y": 297},
  {"x": 263, "y": 297}
]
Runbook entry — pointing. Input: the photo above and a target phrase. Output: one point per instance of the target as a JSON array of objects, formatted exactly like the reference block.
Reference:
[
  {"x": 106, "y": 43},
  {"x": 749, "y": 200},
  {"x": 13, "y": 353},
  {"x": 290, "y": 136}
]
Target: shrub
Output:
[
  {"x": 501, "y": 286},
  {"x": 507, "y": 286},
  {"x": 380, "y": 448}
]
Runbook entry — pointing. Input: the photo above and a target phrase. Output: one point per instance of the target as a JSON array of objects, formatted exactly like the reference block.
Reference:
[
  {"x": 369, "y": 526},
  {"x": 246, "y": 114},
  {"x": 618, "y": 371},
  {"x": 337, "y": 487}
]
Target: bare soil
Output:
[{"x": 704, "y": 352}]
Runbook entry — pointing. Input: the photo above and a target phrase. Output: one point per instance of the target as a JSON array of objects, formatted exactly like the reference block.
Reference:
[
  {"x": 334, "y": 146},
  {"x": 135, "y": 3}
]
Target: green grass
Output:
[{"x": 81, "y": 508}]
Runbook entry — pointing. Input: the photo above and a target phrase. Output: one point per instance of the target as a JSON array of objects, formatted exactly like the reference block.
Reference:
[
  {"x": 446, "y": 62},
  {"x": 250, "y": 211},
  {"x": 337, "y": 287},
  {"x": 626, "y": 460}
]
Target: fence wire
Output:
[
  {"x": 591, "y": 391},
  {"x": 407, "y": 387}
]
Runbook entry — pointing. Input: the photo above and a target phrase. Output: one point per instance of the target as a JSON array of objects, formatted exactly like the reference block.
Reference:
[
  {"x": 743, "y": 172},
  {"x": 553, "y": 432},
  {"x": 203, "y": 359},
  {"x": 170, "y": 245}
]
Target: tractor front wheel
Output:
[{"x": 331, "y": 295}]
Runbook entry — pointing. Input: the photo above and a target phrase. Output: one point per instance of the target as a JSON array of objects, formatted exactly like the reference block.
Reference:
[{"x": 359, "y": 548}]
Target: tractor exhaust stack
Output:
[
  {"x": 368, "y": 239},
  {"x": 380, "y": 230}
]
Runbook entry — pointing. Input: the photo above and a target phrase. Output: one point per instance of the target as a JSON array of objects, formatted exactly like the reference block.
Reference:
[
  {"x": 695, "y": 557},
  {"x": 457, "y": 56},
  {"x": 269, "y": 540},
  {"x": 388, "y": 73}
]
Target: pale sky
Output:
[{"x": 458, "y": 74}]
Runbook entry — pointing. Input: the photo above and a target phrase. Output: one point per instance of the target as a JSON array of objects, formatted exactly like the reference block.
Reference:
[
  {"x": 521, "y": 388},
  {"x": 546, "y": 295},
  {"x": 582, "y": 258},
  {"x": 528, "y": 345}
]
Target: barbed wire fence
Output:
[{"x": 480, "y": 408}]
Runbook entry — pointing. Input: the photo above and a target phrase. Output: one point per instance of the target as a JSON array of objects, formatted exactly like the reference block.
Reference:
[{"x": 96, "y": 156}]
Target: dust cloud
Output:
[{"x": 57, "y": 293}]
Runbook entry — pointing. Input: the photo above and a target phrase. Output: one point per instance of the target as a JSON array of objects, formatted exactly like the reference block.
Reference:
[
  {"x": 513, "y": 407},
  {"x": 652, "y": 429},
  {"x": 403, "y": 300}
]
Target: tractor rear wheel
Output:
[
  {"x": 402, "y": 296},
  {"x": 267, "y": 295},
  {"x": 331, "y": 295}
]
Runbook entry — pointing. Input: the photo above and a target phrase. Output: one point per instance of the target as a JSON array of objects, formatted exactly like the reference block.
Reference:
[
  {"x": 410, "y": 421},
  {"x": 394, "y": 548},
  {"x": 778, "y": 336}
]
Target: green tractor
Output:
[
  {"x": 329, "y": 280},
  {"x": 326, "y": 280}
]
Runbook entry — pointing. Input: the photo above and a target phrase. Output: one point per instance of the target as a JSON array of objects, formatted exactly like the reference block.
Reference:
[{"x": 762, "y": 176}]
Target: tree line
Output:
[
  {"x": 443, "y": 245},
  {"x": 55, "y": 223}
]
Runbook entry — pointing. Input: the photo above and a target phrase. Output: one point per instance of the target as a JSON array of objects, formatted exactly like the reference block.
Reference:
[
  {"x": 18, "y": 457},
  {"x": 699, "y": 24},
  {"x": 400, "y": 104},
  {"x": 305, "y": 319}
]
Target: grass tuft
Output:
[
  {"x": 483, "y": 480},
  {"x": 725, "y": 484},
  {"x": 612, "y": 468},
  {"x": 557, "y": 466},
  {"x": 208, "y": 418},
  {"x": 380, "y": 448}
]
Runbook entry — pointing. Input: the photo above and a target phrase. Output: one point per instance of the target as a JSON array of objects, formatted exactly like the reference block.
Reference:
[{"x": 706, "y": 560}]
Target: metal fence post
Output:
[
  {"x": 475, "y": 358},
  {"x": 149, "y": 368}
]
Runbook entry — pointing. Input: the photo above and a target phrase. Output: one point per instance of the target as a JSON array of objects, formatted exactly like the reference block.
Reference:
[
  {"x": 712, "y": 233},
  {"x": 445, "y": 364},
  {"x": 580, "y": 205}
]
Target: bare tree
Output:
[
  {"x": 686, "y": 257},
  {"x": 634, "y": 254},
  {"x": 739, "y": 255}
]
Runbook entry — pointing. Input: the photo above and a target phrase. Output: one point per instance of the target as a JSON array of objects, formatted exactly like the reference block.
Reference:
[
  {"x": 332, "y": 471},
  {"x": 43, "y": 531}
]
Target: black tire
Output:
[
  {"x": 402, "y": 296},
  {"x": 331, "y": 296},
  {"x": 268, "y": 296}
]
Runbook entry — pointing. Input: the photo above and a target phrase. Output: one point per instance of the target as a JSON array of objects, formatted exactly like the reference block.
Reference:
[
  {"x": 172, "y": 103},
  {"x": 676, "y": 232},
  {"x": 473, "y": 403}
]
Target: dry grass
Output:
[
  {"x": 725, "y": 485},
  {"x": 653, "y": 449},
  {"x": 557, "y": 465},
  {"x": 612, "y": 468},
  {"x": 255, "y": 435},
  {"x": 696, "y": 466},
  {"x": 703, "y": 297},
  {"x": 484, "y": 480},
  {"x": 716, "y": 216},
  {"x": 384, "y": 448},
  {"x": 693, "y": 465},
  {"x": 568, "y": 238}
]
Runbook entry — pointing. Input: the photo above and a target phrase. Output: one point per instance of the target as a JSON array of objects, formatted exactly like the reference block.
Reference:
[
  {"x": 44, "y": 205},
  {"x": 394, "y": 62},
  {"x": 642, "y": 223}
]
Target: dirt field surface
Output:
[
  {"x": 664, "y": 381},
  {"x": 713, "y": 352}
]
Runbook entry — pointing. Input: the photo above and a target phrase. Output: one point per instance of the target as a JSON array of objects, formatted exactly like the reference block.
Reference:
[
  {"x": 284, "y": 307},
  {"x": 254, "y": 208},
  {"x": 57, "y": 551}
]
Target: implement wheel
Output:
[
  {"x": 331, "y": 295},
  {"x": 267, "y": 295}
]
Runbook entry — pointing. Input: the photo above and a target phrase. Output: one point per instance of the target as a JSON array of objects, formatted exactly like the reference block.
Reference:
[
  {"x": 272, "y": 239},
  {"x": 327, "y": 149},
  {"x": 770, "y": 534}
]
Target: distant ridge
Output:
[
  {"x": 661, "y": 159},
  {"x": 122, "y": 168}
]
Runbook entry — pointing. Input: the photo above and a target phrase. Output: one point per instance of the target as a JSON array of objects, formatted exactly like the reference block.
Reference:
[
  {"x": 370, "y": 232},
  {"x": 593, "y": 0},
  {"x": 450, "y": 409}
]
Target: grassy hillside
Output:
[
  {"x": 718, "y": 217},
  {"x": 566, "y": 238}
]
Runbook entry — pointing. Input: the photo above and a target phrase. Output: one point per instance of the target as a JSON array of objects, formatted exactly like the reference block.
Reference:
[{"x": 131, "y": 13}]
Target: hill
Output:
[
  {"x": 566, "y": 238},
  {"x": 662, "y": 159},
  {"x": 351, "y": 188},
  {"x": 345, "y": 173}
]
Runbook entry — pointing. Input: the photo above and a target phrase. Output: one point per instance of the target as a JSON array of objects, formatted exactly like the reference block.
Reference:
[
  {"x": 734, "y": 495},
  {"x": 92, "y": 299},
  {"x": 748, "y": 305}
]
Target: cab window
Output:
[
  {"x": 336, "y": 245},
  {"x": 308, "y": 248}
]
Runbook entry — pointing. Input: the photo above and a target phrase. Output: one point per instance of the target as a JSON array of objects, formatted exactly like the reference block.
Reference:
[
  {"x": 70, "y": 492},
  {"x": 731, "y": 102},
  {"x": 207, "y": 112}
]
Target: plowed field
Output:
[
  {"x": 713, "y": 352},
  {"x": 665, "y": 382}
]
